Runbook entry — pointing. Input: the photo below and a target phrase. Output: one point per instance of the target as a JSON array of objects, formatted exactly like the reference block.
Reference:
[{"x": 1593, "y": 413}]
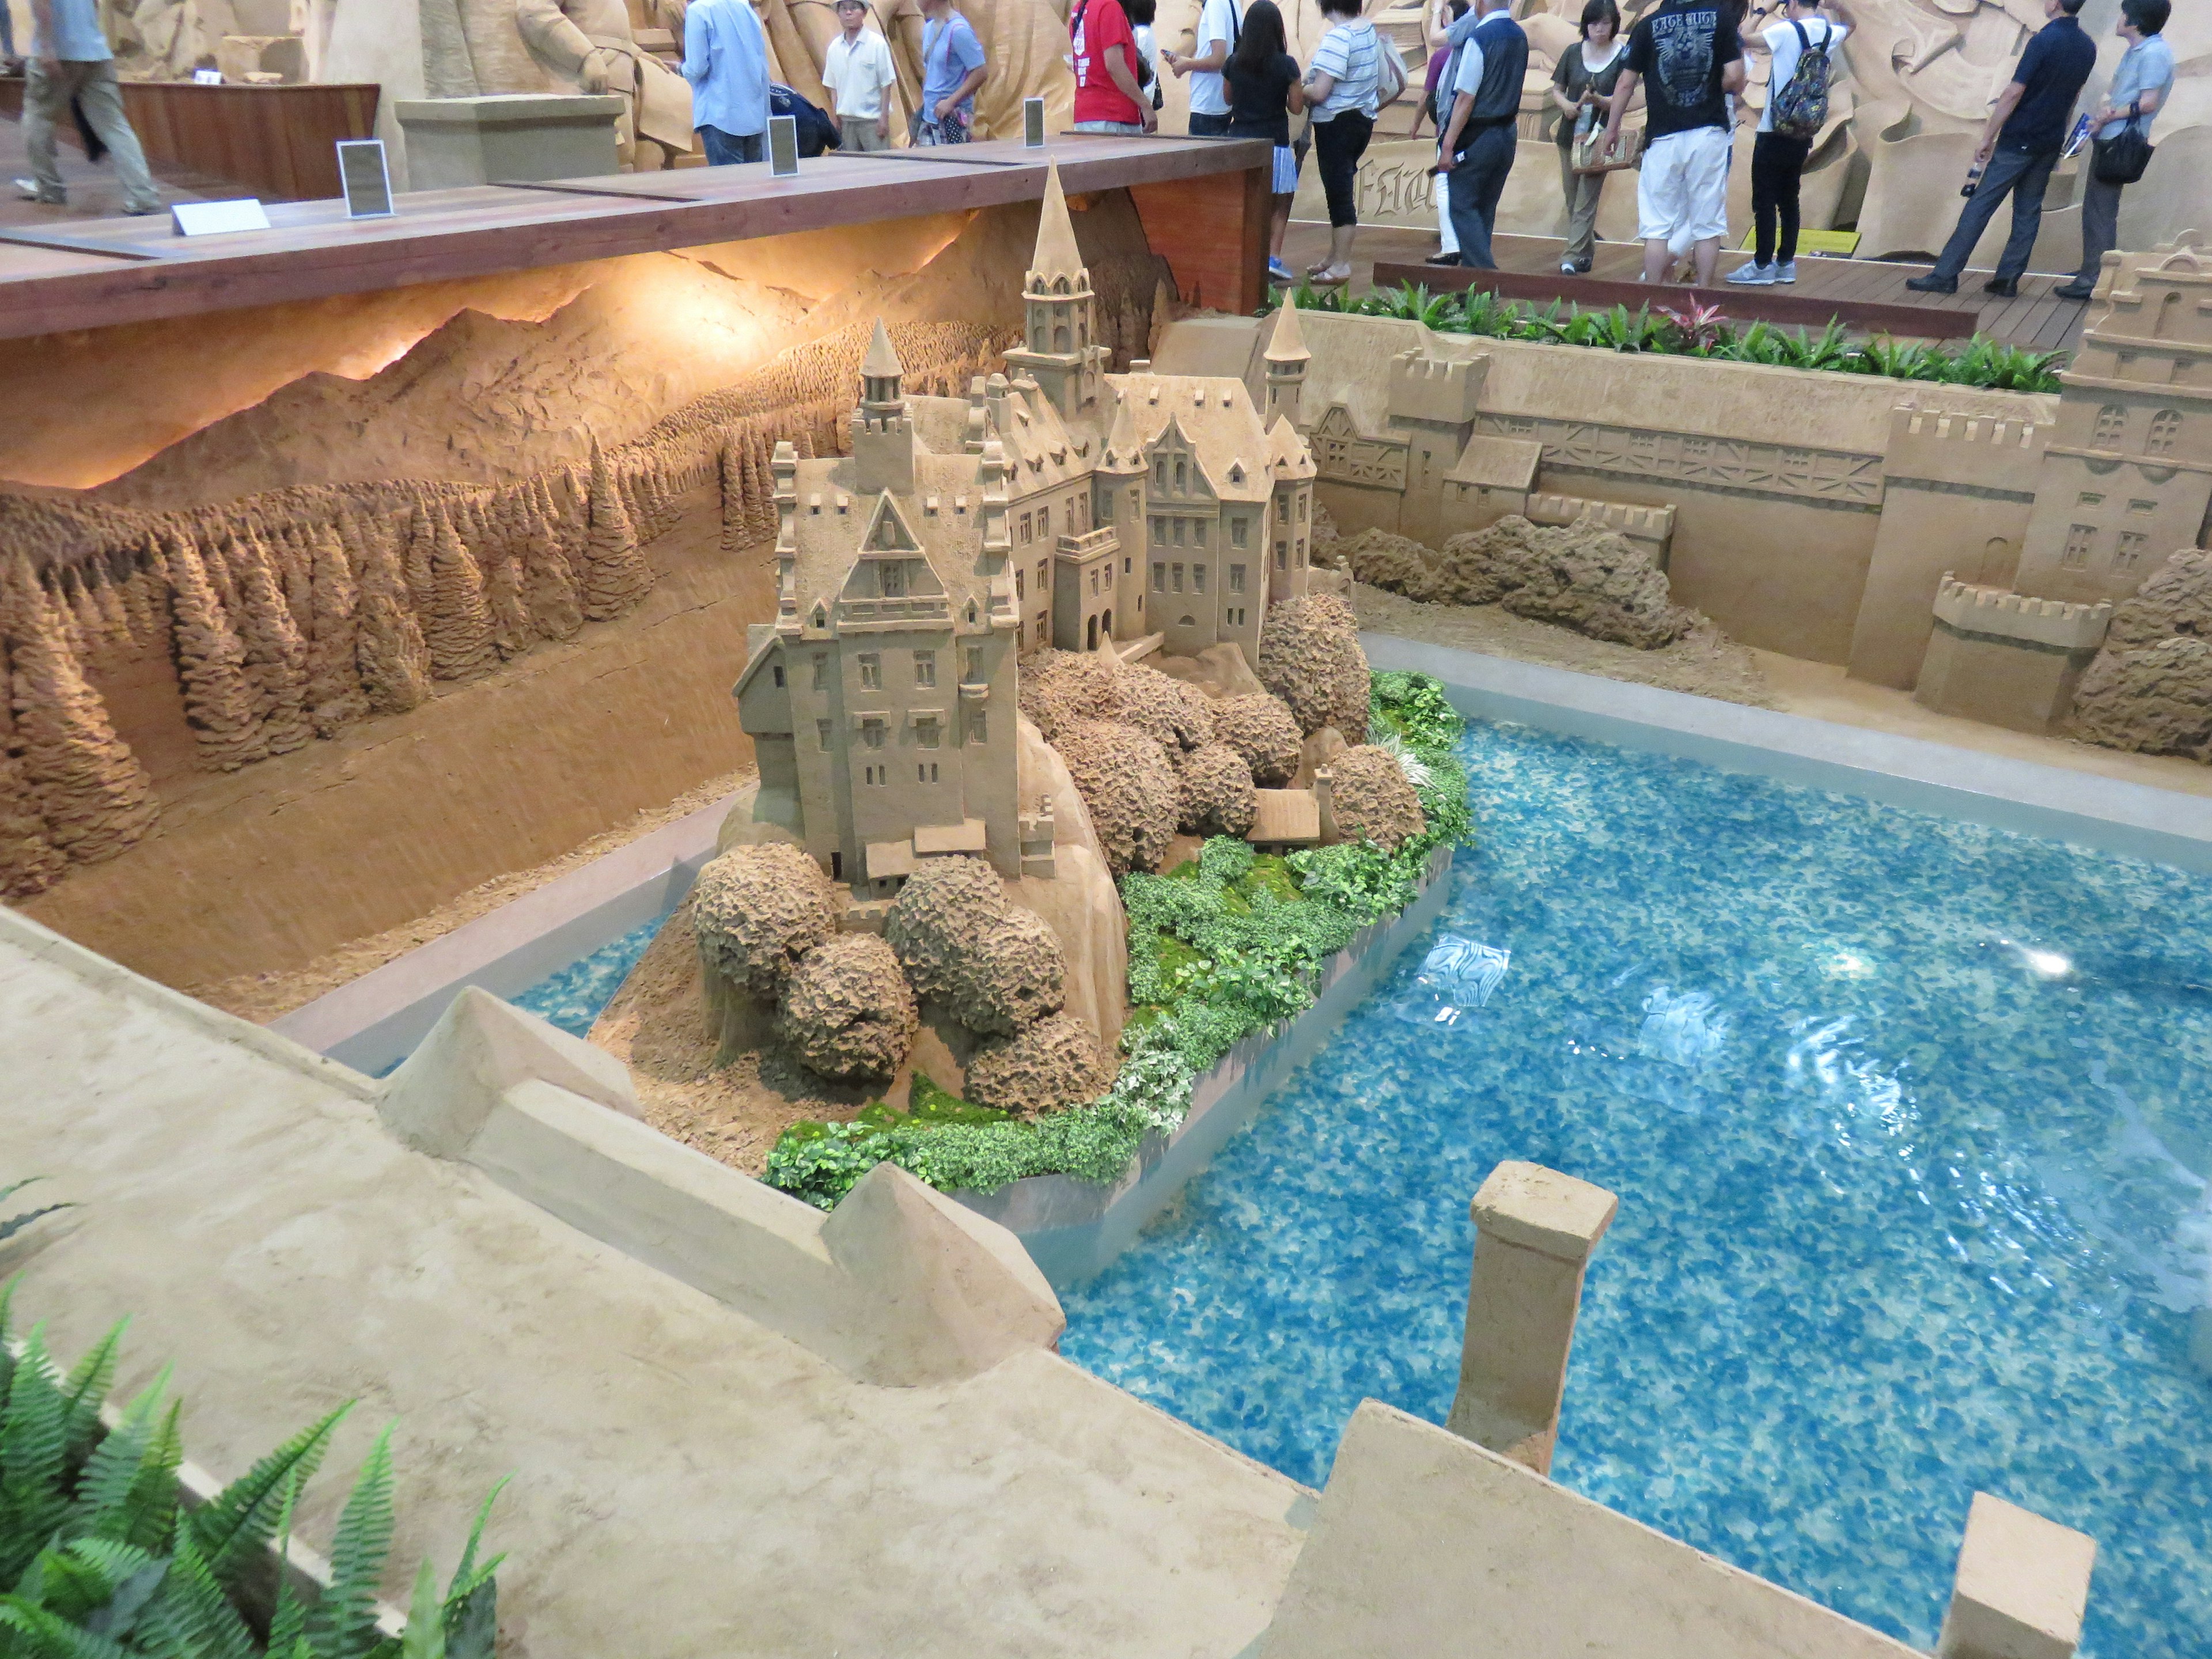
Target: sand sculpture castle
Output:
[{"x": 1057, "y": 505}]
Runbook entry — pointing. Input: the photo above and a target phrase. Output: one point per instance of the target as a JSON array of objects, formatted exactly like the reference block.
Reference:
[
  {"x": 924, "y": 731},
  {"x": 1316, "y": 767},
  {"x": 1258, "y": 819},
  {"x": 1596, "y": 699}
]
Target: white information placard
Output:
[
  {"x": 1032, "y": 124},
  {"x": 365, "y": 178},
  {"x": 218, "y": 218},
  {"x": 783, "y": 146}
]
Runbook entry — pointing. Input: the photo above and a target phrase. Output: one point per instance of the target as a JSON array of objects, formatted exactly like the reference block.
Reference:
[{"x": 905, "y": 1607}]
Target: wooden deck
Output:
[
  {"x": 2036, "y": 320},
  {"x": 1203, "y": 203}
]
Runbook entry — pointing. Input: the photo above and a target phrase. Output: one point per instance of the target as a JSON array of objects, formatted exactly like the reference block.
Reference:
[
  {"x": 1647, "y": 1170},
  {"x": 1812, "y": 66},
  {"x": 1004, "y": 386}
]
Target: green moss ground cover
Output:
[{"x": 1227, "y": 944}]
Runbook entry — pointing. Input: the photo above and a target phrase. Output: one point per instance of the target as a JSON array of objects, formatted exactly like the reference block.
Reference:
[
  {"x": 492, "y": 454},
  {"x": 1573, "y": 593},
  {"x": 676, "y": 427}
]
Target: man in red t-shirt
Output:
[{"x": 1107, "y": 96}]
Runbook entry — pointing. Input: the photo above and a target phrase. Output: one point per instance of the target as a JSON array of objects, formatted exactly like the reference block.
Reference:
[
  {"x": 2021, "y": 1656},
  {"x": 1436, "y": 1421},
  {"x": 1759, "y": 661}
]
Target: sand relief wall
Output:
[{"x": 425, "y": 510}]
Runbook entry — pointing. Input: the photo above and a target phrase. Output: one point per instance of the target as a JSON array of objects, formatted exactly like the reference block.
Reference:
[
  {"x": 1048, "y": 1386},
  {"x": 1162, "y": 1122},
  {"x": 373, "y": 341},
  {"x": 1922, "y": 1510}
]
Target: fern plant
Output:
[
  {"x": 105, "y": 1562},
  {"x": 14, "y": 1224}
]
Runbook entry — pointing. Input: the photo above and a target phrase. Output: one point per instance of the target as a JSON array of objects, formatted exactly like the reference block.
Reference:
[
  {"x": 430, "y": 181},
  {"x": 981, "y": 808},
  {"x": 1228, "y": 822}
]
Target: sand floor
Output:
[{"x": 264, "y": 997}]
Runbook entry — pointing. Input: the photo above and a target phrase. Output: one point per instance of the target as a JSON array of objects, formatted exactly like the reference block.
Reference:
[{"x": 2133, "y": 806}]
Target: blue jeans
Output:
[
  {"x": 1478, "y": 179},
  {"x": 2026, "y": 174},
  {"x": 1208, "y": 126},
  {"x": 725, "y": 148}
]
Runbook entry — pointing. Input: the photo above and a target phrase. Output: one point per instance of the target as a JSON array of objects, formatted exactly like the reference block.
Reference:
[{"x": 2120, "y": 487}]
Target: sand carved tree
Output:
[
  {"x": 335, "y": 698},
  {"x": 459, "y": 631},
  {"x": 95, "y": 798},
  {"x": 219, "y": 705},
  {"x": 556, "y": 610},
  {"x": 616, "y": 576},
  {"x": 28, "y": 861},
  {"x": 275, "y": 655},
  {"x": 390, "y": 652}
]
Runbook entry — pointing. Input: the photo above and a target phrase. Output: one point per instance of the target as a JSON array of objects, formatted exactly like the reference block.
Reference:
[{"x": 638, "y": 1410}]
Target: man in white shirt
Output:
[
  {"x": 1209, "y": 98},
  {"x": 857, "y": 69}
]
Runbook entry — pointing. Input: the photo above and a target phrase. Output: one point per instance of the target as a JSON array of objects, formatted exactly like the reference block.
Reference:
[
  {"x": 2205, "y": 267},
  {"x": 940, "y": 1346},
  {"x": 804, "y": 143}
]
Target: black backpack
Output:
[{"x": 817, "y": 131}]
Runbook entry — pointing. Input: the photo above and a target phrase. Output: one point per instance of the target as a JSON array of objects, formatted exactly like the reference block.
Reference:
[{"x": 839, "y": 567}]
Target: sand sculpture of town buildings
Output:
[
  {"x": 1058, "y": 505},
  {"x": 1969, "y": 546}
]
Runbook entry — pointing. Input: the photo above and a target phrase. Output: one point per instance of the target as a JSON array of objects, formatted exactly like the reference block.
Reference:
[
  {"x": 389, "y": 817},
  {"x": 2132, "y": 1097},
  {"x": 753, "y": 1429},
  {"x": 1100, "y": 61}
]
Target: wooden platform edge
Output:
[{"x": 1742, "y": 304}]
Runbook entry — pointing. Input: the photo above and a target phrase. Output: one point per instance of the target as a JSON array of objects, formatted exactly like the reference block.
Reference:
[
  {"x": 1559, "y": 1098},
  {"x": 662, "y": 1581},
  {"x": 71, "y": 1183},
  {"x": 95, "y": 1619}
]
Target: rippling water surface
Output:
[{"x": 1911, "y": 1124}]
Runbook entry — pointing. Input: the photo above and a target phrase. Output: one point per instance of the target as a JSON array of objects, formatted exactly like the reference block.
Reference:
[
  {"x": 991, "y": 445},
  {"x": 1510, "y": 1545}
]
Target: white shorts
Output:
[{"x": 1681, "y": 195}]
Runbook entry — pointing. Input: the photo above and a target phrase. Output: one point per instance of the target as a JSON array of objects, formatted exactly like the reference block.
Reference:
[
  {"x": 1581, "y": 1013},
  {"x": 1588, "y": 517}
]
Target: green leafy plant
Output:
[
  {"x": 11, "y": 1225},
  {"x": 106, "y": 1561},
  {"x": 1699, "y": 331}
]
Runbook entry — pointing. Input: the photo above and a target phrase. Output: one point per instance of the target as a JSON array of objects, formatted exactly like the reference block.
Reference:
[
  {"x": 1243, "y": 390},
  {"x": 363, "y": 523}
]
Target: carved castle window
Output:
[
  {"x": 2165, "y": 431},
  {"x": 872, "y": 672},
  {"x": 2130, "y": 553},
  {"x": 925, "y": 668},
  {"x": 2080, "y": 538},
  {"x": 2112, "y": 423}
]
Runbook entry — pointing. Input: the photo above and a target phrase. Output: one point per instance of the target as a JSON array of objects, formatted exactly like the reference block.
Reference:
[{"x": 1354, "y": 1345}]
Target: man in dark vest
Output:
[{"x": 1480, "y": 141}]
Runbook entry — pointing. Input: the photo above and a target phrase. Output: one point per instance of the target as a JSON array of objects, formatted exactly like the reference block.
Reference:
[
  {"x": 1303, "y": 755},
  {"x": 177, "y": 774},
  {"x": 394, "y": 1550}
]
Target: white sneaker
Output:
[
  {"x": 1753, "y": 275},
  {"x": 1568, "y": 268},
  {"x": 1786, "y": 271}
]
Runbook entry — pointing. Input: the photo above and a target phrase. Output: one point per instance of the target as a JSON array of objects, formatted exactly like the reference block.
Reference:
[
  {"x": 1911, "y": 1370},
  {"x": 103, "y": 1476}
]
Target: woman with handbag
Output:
[
  {"x": 1582, "y": 83},
  {"x": 2140, "y": 83},
  {"x": 1344, "y": 91}
]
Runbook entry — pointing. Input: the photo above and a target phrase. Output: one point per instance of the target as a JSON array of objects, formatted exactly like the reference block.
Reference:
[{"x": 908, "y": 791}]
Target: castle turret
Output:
[
  {"x": 1287, "y": 358},
  {"x": 883, "y": 429},
  {"x": 1057, "y": 350}
]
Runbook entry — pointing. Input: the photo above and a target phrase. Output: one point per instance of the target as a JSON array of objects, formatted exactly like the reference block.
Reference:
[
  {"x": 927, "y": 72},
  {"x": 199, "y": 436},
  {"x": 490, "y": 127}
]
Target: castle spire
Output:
[
  {"x": 882, "y": 362},
  {"x": 1056, "y": 254},
  {"x": 1287, "y": 345}
]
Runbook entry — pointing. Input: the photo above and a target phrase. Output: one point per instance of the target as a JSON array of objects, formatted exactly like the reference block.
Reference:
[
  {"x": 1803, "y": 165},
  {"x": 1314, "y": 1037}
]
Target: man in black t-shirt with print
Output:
[
  {"x": 2020, "y": 143},
  {"x": 1687, "y": 56}
]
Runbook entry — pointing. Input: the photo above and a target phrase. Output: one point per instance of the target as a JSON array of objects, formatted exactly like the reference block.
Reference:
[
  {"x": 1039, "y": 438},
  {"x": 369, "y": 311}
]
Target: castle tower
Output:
[
  {"x": 2127, "y": 475},
  {"x": 883, "y": 431},
  {"x": 1433, "y": 402},
  {"x": 1287, "y": 358},
  {"x": 1057, "y": 350}
]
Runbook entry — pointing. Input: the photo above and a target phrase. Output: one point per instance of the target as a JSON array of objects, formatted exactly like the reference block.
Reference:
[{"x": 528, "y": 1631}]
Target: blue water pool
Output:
[
  {"x": 1911, "y": 1122},
  {"x": 573, "y": 997}
]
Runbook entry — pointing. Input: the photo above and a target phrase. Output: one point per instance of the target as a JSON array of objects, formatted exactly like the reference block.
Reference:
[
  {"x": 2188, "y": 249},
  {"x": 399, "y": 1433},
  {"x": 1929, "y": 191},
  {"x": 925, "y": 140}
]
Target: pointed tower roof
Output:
[
  {"x": 882, "y": 362},
  {"x": 1056, "y": 254},
  {"x": 1287, "y": 344}
]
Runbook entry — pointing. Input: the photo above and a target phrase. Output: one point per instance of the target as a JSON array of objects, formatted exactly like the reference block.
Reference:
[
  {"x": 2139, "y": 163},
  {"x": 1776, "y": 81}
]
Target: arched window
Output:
[
  {"x": 2112, "y": 421},
  {"x": 2165, "y": 429},
  {"x": 1060, "y": 337}
]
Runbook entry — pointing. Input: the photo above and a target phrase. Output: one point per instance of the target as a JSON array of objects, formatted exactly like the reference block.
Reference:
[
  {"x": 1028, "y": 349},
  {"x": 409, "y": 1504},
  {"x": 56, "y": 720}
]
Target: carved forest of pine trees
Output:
[{"x": 290, "y": 614}]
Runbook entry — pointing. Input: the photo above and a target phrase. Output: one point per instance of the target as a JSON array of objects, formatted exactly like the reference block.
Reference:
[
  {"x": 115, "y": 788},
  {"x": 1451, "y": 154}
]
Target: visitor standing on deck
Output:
[
  {"x": 725, "y": 61},
  {"x": 71, "y": 61},
  {"x": 1686, "y": 58},
  {"x": 1778, "y": 156},
  {"x": 1218, "y": 33},
  {"x": 1341, "y": 89},
  {"x": 2141, "y": 83},
  {"x": 1436, "y": 100},
  {"x": 1480, "y": 140},
  {"x": 2020, "y": 143},
  {"x": 951, "y": 69},
  {"x": 857, "y": 70},
  {"x": 1108, "y": 98},
  {"x": 1263, "y": 94},
  {"x": 1582, "y": 84}
]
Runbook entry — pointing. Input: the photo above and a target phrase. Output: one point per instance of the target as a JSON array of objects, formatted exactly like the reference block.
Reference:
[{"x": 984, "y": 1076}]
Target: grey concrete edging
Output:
[
  {"x": 2106, "y": 814},
  {"x": 378, "y": 1020},
  {"x": 1074, "y": 1228}
]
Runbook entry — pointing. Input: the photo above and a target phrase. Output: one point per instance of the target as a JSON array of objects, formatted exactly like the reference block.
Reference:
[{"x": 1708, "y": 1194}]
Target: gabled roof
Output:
[
  {"x": 1214, "y": 415},
  {"x": 1288, "y": 455},
  {"x": 1041, "y": 451},
  {"x": 830, "y": 542},
  {"x": 1497, "y": 463}
]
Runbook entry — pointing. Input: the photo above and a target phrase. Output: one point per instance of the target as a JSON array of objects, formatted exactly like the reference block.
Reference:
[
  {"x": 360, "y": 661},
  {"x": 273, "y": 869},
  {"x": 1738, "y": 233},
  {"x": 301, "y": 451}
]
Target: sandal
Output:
[{"x": 1325, "y": 277}]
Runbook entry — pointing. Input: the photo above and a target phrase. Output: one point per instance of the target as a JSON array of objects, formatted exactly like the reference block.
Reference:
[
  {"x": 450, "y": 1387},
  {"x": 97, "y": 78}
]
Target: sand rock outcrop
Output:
[
  {"x": 1174, "y": 715},
  {"x": 758, "y": 911},
  {"x": 2149, "y": 689},
  {"x": 1077, "y": 901},
  {"x": 1583, "y": 577},
  {"x": 1217, "y": 793},
  {"x": 1128, "y": 789},
  {"x": 1309, "y": 657},
  {"x": 1053, "y": 1063},
  {"x": 1371, "y": 798},
  {"x": 846, "y": 1010},
  {"x": 1260, "y": 729}
]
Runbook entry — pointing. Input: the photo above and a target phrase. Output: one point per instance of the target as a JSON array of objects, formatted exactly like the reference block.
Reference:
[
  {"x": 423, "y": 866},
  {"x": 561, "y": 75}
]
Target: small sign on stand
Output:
[
  {"x": 783, "y": 146},
  {"x": 218, "y": 218},
  {"x": 365, "y": 178},
  {"x": 207, "y": 77},
  {"x": 1032, "y": 124}
]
